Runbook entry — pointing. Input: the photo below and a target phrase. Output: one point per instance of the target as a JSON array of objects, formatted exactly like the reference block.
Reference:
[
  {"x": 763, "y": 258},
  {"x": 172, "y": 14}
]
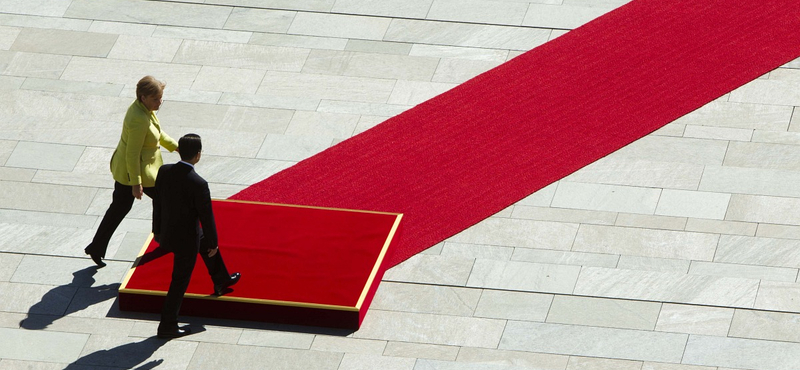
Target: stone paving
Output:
[{"x": 678, "y": 252}]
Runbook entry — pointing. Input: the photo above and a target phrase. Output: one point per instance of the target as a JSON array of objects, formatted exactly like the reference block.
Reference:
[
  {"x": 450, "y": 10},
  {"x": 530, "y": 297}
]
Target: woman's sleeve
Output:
[
  {"x": 168, "y": 142},
  {"x": 137, "y": 130}
]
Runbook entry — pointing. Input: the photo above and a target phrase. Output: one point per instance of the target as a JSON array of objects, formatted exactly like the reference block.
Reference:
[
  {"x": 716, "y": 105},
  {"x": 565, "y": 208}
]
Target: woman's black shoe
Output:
[{"x": 96, "y": 258}]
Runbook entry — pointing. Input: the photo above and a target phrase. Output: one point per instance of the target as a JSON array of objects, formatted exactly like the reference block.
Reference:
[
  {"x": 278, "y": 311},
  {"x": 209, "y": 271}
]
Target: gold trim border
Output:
[
  {"x": 379, "y": 261},
  {"x": 312, "y": 207},
  {"x": 245, "y": 300},
  {"x": 356, "y": 308}
]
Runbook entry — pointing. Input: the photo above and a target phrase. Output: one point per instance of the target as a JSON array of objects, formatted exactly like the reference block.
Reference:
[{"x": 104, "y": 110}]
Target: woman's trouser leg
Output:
[{"x": 121, "y": 203}]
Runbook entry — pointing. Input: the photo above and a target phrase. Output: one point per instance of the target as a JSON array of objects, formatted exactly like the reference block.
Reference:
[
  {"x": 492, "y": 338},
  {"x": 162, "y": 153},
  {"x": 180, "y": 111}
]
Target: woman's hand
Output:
[{"x": 138, "y": 191}]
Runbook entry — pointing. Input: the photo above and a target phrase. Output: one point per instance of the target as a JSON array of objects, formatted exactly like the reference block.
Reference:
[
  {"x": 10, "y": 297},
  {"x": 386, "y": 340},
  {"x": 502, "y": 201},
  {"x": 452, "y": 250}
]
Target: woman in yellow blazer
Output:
[{"x": 135, "y": 163}]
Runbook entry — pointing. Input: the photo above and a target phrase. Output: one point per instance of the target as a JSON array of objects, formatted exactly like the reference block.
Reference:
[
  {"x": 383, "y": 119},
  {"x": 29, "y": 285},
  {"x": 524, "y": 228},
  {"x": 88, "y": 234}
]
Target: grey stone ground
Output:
[{"x": 679, "y": 252}]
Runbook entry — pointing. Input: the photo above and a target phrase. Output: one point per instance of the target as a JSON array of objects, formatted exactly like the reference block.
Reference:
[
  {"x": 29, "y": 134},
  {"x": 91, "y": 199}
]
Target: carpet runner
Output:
[{"x": 468, "y": 153}]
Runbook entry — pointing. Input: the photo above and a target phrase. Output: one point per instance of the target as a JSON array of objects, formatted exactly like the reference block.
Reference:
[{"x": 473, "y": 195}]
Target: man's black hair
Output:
[{"x": 189, "y": 145}]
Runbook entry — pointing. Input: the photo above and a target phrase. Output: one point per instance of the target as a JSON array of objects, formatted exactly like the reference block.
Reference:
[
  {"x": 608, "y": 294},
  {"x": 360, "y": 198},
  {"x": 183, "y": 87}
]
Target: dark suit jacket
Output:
[{"x": 182, "y": 204}]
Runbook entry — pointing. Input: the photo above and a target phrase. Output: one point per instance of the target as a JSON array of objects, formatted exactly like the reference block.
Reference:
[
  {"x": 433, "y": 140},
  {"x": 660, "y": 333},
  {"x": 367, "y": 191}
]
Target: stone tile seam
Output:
[
  {"x": 584, "y": 296},
  {"x": 346, "y": 14},
  {"x": 24, "y": 254},
  {"x": 331, "y": 12}
]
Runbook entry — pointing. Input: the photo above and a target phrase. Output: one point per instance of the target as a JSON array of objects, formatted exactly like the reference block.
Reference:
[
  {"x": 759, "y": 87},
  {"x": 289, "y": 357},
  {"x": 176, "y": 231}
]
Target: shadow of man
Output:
[
  {"x": 40, "y": 314},
  {"x": 154, "y": 254},
  {"x": 126, "y": 356}
]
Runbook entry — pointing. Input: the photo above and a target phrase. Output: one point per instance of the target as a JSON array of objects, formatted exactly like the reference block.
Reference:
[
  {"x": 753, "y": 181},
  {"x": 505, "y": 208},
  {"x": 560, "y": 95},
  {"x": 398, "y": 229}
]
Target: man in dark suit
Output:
[{"x": 182, "y": 204}]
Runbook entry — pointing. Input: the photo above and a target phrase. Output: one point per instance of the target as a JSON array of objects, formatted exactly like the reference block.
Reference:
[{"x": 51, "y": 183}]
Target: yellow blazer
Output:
[{"x": 138, "y": 155}]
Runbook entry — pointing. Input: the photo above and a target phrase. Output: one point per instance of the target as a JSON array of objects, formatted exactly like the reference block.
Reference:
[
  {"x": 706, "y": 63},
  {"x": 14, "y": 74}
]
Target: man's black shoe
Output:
[
  {"x": 175, "y": 333},
  {"x": 219, "y": 289}
]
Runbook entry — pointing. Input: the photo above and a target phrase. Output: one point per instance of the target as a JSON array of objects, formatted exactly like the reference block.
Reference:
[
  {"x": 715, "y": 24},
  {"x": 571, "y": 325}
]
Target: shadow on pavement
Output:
[{"x": 40, "y": 314}]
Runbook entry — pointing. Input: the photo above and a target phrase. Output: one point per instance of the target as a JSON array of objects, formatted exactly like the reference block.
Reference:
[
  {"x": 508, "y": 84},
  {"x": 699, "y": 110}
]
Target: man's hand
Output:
[
  {"x": 138, "y": 191},
  {"x": 212, "y": 252}
]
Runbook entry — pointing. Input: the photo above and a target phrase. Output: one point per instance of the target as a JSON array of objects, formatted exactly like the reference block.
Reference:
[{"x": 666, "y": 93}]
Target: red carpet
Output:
[
  {"x": 299, "y": 265},
  {"x": 462, "y": 156}
]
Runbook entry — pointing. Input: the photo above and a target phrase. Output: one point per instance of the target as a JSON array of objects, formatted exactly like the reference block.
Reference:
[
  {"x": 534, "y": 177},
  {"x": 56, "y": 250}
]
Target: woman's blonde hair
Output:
[{"x": 149, "y": 86}]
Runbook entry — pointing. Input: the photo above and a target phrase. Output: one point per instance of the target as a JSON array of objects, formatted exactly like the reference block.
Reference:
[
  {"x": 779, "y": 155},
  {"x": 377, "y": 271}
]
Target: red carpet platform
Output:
[{"x": 300, "y": 265}]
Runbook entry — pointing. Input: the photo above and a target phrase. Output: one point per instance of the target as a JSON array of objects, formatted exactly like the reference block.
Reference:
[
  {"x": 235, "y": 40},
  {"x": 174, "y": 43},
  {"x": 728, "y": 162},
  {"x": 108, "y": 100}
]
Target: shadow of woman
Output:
[
  {"x": 66, "y": 299},
  {"x": 126, "y": 356}
]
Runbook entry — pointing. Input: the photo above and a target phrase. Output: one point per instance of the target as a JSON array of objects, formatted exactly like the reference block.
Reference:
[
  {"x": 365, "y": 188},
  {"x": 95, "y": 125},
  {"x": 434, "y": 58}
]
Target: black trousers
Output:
[
  {"x": 121, "y": 203},
  {"x": 182, "y": 267}
]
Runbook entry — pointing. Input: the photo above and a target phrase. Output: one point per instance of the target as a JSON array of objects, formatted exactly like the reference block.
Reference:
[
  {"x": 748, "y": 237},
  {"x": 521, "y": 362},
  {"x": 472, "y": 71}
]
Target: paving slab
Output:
[
  {"x": 353, "y": 361},
  {"x": 432, "y": 269},
  {"x": 259, "y": 20},
  {"x": 328, "y": 343},
  {"x": 743, "y": 271},
  {"x": 465, "y": 250},
  {"x": 609, "y": 198},
  {"x": 421, "y": 351},
  {"x": 431, "y": 329},
  {"x": 392, "y": 8},
  {"x": 205, "y": 333},
  {"x": 646, "y": 242},
  {"x": 653, "y": 264},
  {"x": 740, "y": 115},
  {"x": 36, "y": 65},
  {"x": 524, "y": 276},
  {"x": 667, "y": 287},
  {"x": 415, "y": 92},
  {"x": 600, "y": 312},
  {"x": 36, "y": 21},
  {"x": 701, "y": 320},
  {"x": 561, "y": 16},
  {"x": 50, "y": 41},
  {"x": 309, "y": 5},
  {"x": 520, "y": 306},
  {"x": 579, "y": 363},
  {"x": 36, "y": 7},
  {"x": 33, "y": 345},
  {"x": 124, "y": 352},
  {"x": 45, "y": 156},
  {"x": 144, "y": 48},
  {"x": 63, "y": 271},
  {"x": 483, "y": 12},
  {"x": 740, "y": 353},
  {"x": 519, "y": 233},
  {"x": 225, "y": 355},
  {"x": 78, "y": 87},
  {"x": 351, "y": 63},
  {"x": 8, "y": 265},
  {"x": 687, "y": 203},
  {"x": 153, "y": 12},
  {"x": 426, "y": 299},
  {"x": 594, "y": 342},
  {"x": 657, "y": 222},
  {"x": 464, "y": 34},
  {"x": 339, "y": 25},
  {"x": 276, "y": 339},
  {"x": 753, "y": 324}
]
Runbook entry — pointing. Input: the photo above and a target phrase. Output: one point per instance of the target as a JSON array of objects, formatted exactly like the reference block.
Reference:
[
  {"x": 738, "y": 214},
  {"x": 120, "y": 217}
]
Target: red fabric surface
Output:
[
  {"x": 284, "y": 253},
  {"x": 462, "y": 156}
]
